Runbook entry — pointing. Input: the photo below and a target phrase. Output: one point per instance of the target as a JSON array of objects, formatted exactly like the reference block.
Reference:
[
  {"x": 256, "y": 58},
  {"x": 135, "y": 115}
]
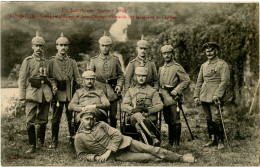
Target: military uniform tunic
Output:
[
  {"x": 174, "y": 75},
  {"x": 37, "y": 106},
  {"x": 85, "y": 96},
  {"x": 152, "y": 77},
  {"x": 105, "y": 68},
  {"x": 64, "y": 69},
  {"x": 213, "y": 79},
  {"x": 149, "y": 95}
]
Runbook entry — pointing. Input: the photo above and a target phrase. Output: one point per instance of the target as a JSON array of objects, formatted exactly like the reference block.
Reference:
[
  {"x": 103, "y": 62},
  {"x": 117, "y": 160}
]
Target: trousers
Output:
[{"x": 140, "y": 152}]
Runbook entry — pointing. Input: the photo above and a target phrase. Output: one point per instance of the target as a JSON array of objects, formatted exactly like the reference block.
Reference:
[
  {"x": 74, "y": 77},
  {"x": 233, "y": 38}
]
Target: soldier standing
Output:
[
  {"x": 35, "y": 91},
  {"x": 213, "y": 78},
  {"x": 141, "y": 60},
  {"x": 142, "y": 103},
  {"x": 173, "y": 80},
  {"x": 64, "y": 70},
  {"x": 109, "y": 75}
]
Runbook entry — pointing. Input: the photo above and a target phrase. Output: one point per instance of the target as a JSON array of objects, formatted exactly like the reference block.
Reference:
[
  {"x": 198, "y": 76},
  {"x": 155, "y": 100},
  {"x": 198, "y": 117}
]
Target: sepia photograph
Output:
[{"x": 137, "y": 83}]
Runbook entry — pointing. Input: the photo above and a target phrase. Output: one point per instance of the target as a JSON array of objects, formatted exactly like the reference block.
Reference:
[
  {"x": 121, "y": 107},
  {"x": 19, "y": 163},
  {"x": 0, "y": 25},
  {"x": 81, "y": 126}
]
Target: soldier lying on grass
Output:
[{"x": 97, "y": 141}]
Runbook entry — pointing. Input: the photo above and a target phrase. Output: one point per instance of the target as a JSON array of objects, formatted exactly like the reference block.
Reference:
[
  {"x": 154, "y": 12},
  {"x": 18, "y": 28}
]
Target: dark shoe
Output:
[
  {"x": 155, "y": 141},
  {"x": 31, "y": 150},
  {"x": 212, "y": 142}
]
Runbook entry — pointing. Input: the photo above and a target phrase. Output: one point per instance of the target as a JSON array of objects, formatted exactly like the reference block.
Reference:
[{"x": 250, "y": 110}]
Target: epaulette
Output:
[
  {"x": 94, "y": 57},
  {"x": 132, "y": 60},
  {"x": 177, "y": 64},
  {"x": 51, "y": 57},
  {"x": 115, "y": 56},
  {"x": 29, "y": 57}
]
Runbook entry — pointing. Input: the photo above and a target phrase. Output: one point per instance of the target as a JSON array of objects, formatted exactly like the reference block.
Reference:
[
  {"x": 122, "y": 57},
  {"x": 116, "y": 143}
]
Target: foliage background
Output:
[{"x": 233, "y": 25}]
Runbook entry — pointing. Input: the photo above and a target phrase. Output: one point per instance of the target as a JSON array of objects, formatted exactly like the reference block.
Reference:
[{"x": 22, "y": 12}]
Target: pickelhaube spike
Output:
[
  {"x": 37, "y": 40},
  {"x": 37, "y": 33},
  {"x": 142, "y": 37},
  {"x": 105, "y": 33},
  {"x": 142, "y": 43},
  {"x": 62, "y": 39}
]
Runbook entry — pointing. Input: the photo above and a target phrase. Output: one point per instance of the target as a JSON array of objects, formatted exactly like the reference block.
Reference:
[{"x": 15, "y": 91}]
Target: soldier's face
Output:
[
  {"x": 104, "y": 49},
  {"x": 38, "y": 49},
  {"x": 167, "y": 56},
  {"x": 211, "y": 53},
  {"x": 62, "y": 48},
  {"x": 141, "y": 79},
  {"x": 88, "y": 121},
  {"x": 89, "y": 82},
  {"x": 141, "y": 51}
]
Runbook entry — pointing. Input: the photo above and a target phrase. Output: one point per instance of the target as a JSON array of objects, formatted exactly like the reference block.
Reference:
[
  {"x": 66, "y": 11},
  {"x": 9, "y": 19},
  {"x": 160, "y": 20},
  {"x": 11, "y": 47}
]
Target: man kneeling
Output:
[{"x": 98, "y": 141}]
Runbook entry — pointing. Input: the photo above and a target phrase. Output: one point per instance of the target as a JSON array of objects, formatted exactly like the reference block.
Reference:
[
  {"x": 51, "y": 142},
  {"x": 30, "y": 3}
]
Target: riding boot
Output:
[
  {"x": 32, "y": 139},
  {"x": 155, "y": 141},
  {"x": 212, "y": 135},
  {"x": 220, "y": 135},
  {"x": 171, "y": 131},
  {"x": 71, "y": 131},
  {"x": 140, "y": 130},
  {"x": 55, "y": 134},
  {"x": 40, "y": 134},
  {"x": 178, "y": 133}
]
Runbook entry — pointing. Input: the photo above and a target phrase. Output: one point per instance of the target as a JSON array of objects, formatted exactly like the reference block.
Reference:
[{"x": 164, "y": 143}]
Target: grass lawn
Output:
[{"x": 244, "y": 147}]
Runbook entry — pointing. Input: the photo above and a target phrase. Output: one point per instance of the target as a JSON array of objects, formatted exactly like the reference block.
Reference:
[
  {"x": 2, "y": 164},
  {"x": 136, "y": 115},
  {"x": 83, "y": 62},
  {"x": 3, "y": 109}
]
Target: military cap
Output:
[
  {"x": 142, "y": 43},
  {"x": 141, "y": 71},
  {"x": 88, "y": 112},
  {"x": 166, "y": 48},
  {"x": 88, "y": 74},
  {"x": 62, "y": 39},
  {"x": 37, "y": 40},
  {"x": 105, "y": 40},
  {"x": 210, "y": 46}
]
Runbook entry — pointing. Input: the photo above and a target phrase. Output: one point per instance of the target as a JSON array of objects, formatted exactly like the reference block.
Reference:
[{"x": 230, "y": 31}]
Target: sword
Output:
[{"x": 222, "y": 121}]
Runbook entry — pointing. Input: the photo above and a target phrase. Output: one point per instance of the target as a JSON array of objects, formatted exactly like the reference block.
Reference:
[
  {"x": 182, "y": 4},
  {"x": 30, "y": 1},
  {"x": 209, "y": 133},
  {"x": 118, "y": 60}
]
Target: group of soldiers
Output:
[{"x": 46, "y": 82}]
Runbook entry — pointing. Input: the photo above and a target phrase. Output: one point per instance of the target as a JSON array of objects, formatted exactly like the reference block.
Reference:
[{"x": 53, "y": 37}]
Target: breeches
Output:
[
  {"x": 57, "y": 112},
  {"x": 37, "y": 113},
  {"x": 211, "y": 111},
  {"x": 171, "y": 116}
]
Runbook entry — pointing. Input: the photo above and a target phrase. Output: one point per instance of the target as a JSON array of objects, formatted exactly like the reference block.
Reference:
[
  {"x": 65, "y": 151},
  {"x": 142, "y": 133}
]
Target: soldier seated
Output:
[
  {"x": 142, "y": 103},
  {"x": 89, "y": 97}
]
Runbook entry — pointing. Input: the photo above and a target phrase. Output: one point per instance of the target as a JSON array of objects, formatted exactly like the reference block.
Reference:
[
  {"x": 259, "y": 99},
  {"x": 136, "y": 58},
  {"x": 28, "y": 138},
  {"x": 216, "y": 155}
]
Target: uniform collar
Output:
[
  {"x": 145, "y": 59},
  {"x": 38, "y": 58},
  {"x": 213, "y": 61},
  {"x": 89, "y": 89},
  {"x": 141, "y": 86},
  {"x": 169, "y": 64},
  {"x": 60, "y": 57},
  {"x": 105, "y": 57}
]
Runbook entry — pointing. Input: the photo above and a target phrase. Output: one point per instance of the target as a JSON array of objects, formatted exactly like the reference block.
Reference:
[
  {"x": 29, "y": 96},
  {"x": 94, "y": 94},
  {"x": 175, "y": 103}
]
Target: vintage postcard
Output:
[{"x": 103, "y": 83}]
